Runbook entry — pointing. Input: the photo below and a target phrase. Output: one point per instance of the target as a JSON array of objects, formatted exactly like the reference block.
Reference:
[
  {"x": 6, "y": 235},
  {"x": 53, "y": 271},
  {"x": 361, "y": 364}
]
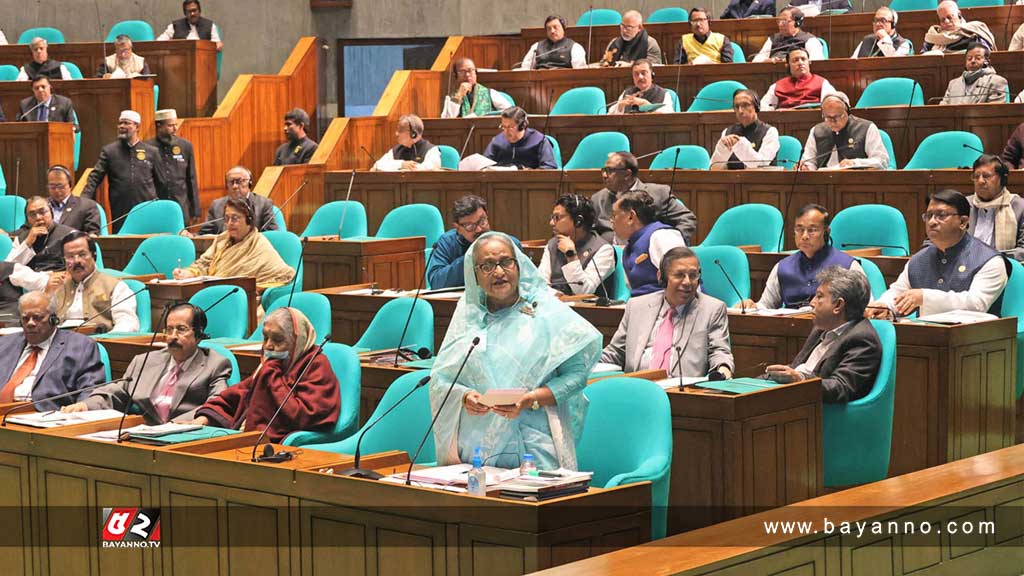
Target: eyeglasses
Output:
[
  {"x": 698, "y": 20},
  {"x": 607, "y": 170},
  {"x": 982, "y": 176},
  {"x": 555, "y": 217},
  {"x": 183, "y": 330},
  {"x": 507, "y": 264},
  {"x": 783, "y": 22},
  {"x": 237, "y": 181},
  {"x": 234, "y": 219},
  {"x": 812, "y": 231},
  {"x": 835, "y": 118},
  {"x": 881, "y": 21},
  {"x": 56, "y": 186},
  {"x": 693, "y": 276},
  {"x": 940, "y": 216},
  {"x": 473, "y": 226},
  {"x": 39, "y": 212}
]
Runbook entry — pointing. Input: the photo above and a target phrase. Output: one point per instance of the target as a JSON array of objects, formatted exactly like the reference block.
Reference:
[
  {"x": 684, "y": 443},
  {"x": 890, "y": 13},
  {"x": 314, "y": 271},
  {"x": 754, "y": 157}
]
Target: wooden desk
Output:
[
  {"x": 761, "y": 264},
  {"x": 161, "y": 294},
  {"x": 38, "y": 145}
]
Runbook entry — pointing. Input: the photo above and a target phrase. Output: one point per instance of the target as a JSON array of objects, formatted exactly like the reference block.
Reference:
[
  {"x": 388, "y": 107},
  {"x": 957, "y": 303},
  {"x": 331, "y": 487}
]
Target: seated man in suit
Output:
[
  {"x": 41, "y": 65},
  {"x": 171, "y": 383},
  {"x": 955, "y": 271},
  {"x": 884, "y": 40},
  {"x": 843, "y": 140},
  {"x": 75, "y": 212},
  {"x": 643, "y": 92},
  {"x": 444, "y": 269},
  {"x": 997, "y": 215},
  {"x": 299, "y": 148},
  {"x": 88, "y": 294},
  {"x": 954, "y": 33},
  {"x": 647, "y": 240},
  {"x": 791, "y": 36},
  {"x": 38, "y": 242},
  {"x": 45, "y": 106},
  {"x": 42, "y": 361},
  {"x": 979, "y": 83},
  {"x": 237, "y": 181},
  {"x": 413, "y": 151},
  {"x": 123, "y": 63},
  {"x": 843, "y": 349},
  {"x": 800, "y": 87},
  {"x": 678, "y": 328}
]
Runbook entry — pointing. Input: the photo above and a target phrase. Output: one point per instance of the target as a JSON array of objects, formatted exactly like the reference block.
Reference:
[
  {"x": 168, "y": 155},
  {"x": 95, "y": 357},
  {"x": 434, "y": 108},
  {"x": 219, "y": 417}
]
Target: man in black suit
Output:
[
  {"x": 843, "y": 348},
  {"x": 238, "y": 182},
  {"x": 179, "y": 164},
  {"x": 45, "y": 106},
  {"x": 75, "y": 212}
]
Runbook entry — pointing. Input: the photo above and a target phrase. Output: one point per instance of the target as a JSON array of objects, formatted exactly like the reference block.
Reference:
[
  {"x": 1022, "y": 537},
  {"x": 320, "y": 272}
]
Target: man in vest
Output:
[
  {"x": 178, "y": 162},
  {"x": 955, "y": 272},
  {"x": 884, "y": 40},
  {"x": 41, "y": 65},
  {"x": 577, "y": 260},
  {"x": 799, "y": 88},
  {"x": 472, "y": 99},
  {"x": 953, "y": 33},
  {"x": 792, "y": 282},
  {"x": 997, "y": 215},
  {"x": 790, "y": 36},
  {"x": 632, "y": 43},
  {"x": 647, "y": 240},
  {"x": 37, "y": 244},
  {"x": 123, "y": 63},
  {"x": 519, "y": 145},
  {"x": 843, "y": 140},
  {"x": 192, "y": 27},
  {"x": 644, "y": 94},
  {"x": 702, "y": 46},
  {"x": 413, "y": 151},
  {"x": 299, "y": 148},
  {"x": 87, "y": 294},
  {"x": 237, "y": 184},
  {"x": 979, "y": 83},
  {"x": 556, "y": 51},
  {"x": 750, "y": 143}
]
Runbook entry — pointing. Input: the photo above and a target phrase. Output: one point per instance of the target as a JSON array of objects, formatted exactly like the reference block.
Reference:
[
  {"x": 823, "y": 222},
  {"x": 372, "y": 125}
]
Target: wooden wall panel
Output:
[{"x": 27, "y": 149}]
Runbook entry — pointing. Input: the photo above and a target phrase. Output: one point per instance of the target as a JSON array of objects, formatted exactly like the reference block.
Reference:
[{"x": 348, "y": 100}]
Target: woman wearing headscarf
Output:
[
  {"x": 288, "y": 346},
  {"x": 528, "y": 340}
]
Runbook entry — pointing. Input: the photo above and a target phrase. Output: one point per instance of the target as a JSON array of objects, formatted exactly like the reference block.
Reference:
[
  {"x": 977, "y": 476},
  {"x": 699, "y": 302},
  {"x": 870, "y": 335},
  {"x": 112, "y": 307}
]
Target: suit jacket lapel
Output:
[
  {"x": 188, "y": 377},
  {"x": 644, "y": 338},
  {"x": 809, "y": 345},
  {"x": 689, "y": 319},
  {"x": 16, "y": 354},
  {"x": 55, "y": 350}
]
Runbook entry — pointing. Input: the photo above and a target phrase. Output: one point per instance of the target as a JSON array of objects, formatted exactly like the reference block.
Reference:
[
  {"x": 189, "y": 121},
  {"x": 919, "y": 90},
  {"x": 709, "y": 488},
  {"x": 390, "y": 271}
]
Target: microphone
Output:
[
  {"x": 451, "y": 73},
  {"x": 286, "y": 202},
  {"x": 605, "y": 107},
  {"x": 535, "y": 56},
  {"x": 590, "y": 30},
  {"x": 201, "y": 224},
  {"x": 649, "y": 154},
  {"x": 109, "y": 308},
  {"x": 368, "y": 155},
  {"x": 268, "y": 451},
  {"x": 968, "y": 146},
  {"x": 142, "y": 366},
  {"x": 344, "y": 209},
  {"x": 679, "y": 366},
  {"x": 979, "y": 91},
  {"x": 602, "y": 300},
  {"x": 465, "y": 143},
  {"x": 412, "y": 308},
  {"x": 17, "y": 190},
  {"x": 892, "y": 246},
  {"x": 355, "y": 471},
  {"x": 29, "y": 111},
  {"x": 153, "y": 266},
  {"x": 21, "y": 406},
  {"x": 734, "y": 289},
  {"x": 299, "y": 270},
  {"x": 547, "y": 115},
  {"x": 408, "y": 474},
  {"x": 746, "y": 162}
]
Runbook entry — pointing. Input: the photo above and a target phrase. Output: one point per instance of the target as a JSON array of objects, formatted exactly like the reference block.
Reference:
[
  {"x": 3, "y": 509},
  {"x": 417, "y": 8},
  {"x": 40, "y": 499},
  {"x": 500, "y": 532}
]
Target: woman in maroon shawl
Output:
[{"x": 288, "y": 345}]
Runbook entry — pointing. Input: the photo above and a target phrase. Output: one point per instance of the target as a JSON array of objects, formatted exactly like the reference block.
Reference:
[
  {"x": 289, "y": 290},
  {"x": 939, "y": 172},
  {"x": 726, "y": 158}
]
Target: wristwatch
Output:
[
  {"x": 570, "y": 253},
  {"x": 536, "y": 404}
]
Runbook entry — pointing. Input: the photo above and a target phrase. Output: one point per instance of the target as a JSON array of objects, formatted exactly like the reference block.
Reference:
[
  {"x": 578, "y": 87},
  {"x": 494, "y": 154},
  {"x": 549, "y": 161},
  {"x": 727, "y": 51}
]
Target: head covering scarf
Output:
[
  {"x": 520, "y": 347},
  {"x": 297, "y": 329}
]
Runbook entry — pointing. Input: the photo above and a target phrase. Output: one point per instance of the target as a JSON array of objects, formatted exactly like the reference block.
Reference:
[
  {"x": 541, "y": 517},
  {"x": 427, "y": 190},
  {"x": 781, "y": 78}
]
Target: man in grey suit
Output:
[
  {"x": 843, "y": 348},
  {"x": 677, "y": 329},
  {"x": 619, "y": 174},
  {"x": 45, "y": 106},
  {"x": 238, "y": 182},
  {"x": 75, "y": 212},
  {"x": 172, "y": 383},
  {"x": 42, "y": 361}
]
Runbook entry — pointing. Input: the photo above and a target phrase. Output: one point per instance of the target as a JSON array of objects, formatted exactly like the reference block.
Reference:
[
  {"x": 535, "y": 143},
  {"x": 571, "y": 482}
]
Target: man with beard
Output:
[
  {"x": 88, "y": 294},
  {"x": 41, "y": 65},
  {"x": 178, "y": 164},
  {"x": 469, "y": 214},
  {"x": 979, "y": 84},
  {"x": 299, "y": 148},
  {"x": 643, "y": 92},
  {"x": 556, "y": 51},
  {"x": 632, "y": 43}
]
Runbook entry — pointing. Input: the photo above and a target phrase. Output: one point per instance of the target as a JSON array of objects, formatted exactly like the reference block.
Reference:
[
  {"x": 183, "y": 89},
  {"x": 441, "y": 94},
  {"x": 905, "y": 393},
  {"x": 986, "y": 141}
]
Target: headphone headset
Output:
[
  {"x": 198, "y": 318},
  {"x": 54, "y": 320},
  {"x": 242, "y": 168},
  {"x": 842, "y": 101},
  {"x": 522, "y": 124},
  {"x": 64, "y": 171},
  {"x": 798, "y": 17},
  {"x": 250, "y": 211},
  {"x": 1002, "y": 170},
  {"x": 412, "y": 133},
  {"x": 577, "y": 220}
]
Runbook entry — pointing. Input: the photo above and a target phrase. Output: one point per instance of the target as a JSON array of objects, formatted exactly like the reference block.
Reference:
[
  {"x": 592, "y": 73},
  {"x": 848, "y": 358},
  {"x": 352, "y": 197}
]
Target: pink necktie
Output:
[
  {"x": 163, "y": 408},
  {"x": 661, "y": 357}
]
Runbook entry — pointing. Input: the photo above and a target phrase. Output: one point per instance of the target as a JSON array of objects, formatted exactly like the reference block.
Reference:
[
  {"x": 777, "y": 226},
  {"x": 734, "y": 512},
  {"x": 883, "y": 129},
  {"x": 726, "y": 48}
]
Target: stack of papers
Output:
[
  {"x": 56, "y": 419},
  {"x": 454, "y": 475},
  {"x": 194, "y": 280},
  {"x": 957, "y": 317},
  {"x": 548, "y": 485},
  {"x": 673, "y": 383},
  {"x": 141, "y": 430}
]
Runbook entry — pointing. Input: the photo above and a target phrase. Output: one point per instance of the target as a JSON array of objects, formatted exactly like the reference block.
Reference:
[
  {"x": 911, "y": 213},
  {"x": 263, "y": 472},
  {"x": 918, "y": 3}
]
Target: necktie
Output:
[
  {"x": 26, "y": 368},
  {"x": 661, "y": 355},
  {"x": 44, "y": 113},
  {"x": 163, "y": 403}
]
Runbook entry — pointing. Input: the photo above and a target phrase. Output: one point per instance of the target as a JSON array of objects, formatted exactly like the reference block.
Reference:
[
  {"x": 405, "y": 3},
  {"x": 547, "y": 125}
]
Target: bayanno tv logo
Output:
[{"x": 131, "y": 528}]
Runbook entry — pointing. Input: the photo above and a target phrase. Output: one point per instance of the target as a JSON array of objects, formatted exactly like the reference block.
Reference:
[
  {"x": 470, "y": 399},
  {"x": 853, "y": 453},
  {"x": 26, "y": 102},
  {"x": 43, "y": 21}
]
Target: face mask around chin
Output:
[{"x": 275, "y": 355}]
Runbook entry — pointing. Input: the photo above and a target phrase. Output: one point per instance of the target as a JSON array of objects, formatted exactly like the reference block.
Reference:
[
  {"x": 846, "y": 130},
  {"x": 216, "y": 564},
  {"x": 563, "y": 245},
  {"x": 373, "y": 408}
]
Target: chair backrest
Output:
[
  {"x": 51, "y": 35},
  {"x": 1013, "y": 305},
  {"x": 6, "y": 243},
  {"x": 289, "y": 248},
  {"x": 715, "y": 96},
  {"x": 871, "y": 225},
  {"x": 690, "y": 157},
  {"x": 627, "y": 437},
  {"x": 901, "y": 6},
  {"x": 790, "y": 150},
  {"x": 137, "y": 30},
  {"x": 327, "y": 219},
  {"x": 154, "y": 217},
  {"x": 733, "y": 227},
  {"x": 622, "y": 291},
  {"x": 581, "y": 100},
  {"x": 734, "y": 261},
  {"x": 675, "y": 100},
  {"x": 824, "y": 47},
  {"x": 279, "y": 219},
  {"x": 593, "y": 150},
  {"x": 12, "y": 212},
  {"x": 386, "y": 327},
  {"x": 142, "y": 304},
  {"x": 449, "y": 157},
  {"x": 875, "y": 277},
  {"x": 976, "y": 3},
  {"x": 413, "y": 220},
  {"x": 887, "y": 142},
  {"x": 345, "y": 363},
  {"x": 73, "y": 70},
  {"x": 946, "y": 150},
  {"x": 314, "y": 306},
  {"x": 738, "y": 57},
  {"x": 507, "y": 96},
  {"x": 78, "y": 143},
  {"x": 892, "y": 91},
  {"x": 230, "y": 318},
  {"x": 8, "y": 72},
  {"x": 236, "y": 376},
  {"x": 556, "y": 151},
  {"x": 600, "y": 17},
  {"x": 105, "y": 359},
  {"x": 670, "y": 14},
  {"x": 167, "y": 252}
]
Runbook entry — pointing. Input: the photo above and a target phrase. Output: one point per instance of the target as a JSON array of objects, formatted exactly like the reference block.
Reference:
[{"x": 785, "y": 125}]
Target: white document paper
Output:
[
  {"x": 958, "y": 317},
  {"x": 475, "y": 163},
  {"x": 502, "y": 397},
  {"x": 673, "y": 383},
  {"x": 56, "y": 419}
]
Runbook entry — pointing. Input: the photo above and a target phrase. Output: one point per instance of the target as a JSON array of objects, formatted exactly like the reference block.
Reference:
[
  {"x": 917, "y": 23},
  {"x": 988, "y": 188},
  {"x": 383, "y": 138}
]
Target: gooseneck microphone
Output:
[
  {"x": 151, "y": 264},
  {"x": 734, "y": 289},
  {"x": 30, "y": 110},
  {"x": 344, "y": 208},
  {"x": 109, "y": 308},
  {"x": 298, "y": 270},
  {"x": 412, "y": 308},
  {"x": 142, "y": 366},
  {"x": 286, "y": 202}
]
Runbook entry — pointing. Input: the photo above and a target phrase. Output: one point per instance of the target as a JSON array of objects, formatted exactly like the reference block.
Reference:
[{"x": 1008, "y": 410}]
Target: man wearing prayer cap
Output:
[
  {"x": 177, "y": 163},
  {"x": 132, "y": 168}
]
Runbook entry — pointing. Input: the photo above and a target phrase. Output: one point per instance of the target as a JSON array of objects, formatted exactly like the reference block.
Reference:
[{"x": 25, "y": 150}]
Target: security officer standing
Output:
[{"x": 178, "y": 164}]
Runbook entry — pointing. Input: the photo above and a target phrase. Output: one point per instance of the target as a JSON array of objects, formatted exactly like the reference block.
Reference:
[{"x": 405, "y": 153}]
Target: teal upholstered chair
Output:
[
  {"x": 8, "y": 72},
  {"x": 738, "y": 57},
  {"x": 230, "y": 318},
  {"x": 556, "y": 151},
  {"x": 3, "y": 182},
  {"x": 327, "y": 219},
  {"x": 892, "y": 91},
  {"x": 619, "y": 278},
  {"x": 734, "y": 261},
  {"x": 580, "y": 100},
  {"x": 627, "y": 438},
  {"x": 824, "y": 47},
  {"x": 507, "y": 96},
  {"x": 946, "y": 150},
  {"x": 345, "y": 363},
  {"x": 413, "y": 220},
  {"x": 976, "y": 3},
  {"x": 887, "y": 142},
  {"x": 401, "y": 430},
  {"x": 51, "y": 35},
  {"x": 386, "y": 327},
  {"x": 1013, "y": 305},
  {"x": 5, "y": 245},
  {"x": 875, "y": 277},
  {"x": 690, "y": 157},
  {"x": 314, "y": 306},
  {"x": 857, "y": 436},
  {"x": 74, "y": 70},
  {"x": 236, "y": 376},
  {"x": 667, "y": 15},
  {"x": 594, "y": 149},
  {"x": 289, "y": 248},
  {"x": 154, "y": 217},
  {"x": 869, "y": 225},
  {"x": 747, "y": 224},
  {"x": 449, "y": 157},
  {"x": 78, "y": 145},
  {"x": 142, "y": 305},
  {"x": 790, "y": 150},
  {"x": 715, "y": 96},
  {"x": 279, "y": 219},
  {"x": 137, "y": 30},
  {"x": 105, "y": 359},
  {"x": 675, "y": 100},
  {"x": 167, "y": 252},
  {"x": 12, "y": 212},
  {"x": 600, "y": 17}
]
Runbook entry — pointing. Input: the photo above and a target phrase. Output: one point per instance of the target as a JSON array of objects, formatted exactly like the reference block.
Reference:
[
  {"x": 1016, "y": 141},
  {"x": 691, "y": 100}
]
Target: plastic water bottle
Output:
[
  {"x": 477, "y": 481},
  {"x": 528, "y": 466}
]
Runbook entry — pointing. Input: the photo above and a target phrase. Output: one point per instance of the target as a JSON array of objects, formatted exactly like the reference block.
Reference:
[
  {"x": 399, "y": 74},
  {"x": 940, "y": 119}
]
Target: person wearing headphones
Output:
[
  {"x": 37, "y": 243},
  {"x": 884, "y": 40},
  {"x": 953, "y": 33},
  {"x": 750, "y": 143},
  {"x": 42, "y": 361},
  {"x": 799, "y": 88},
  {"x": 644, "y": 94},
  {"x": 173, "y": 382},
  {"x": 471, "y": 99},
  {"x": 678, "y": 328},
  {"x": 238, "y": 182},
  {"x": 997, "y": 215},
  {"x": 979, "y": 84},
  {"x": 854, "y": 142},
  {"x": 577, "y": 260},
  {"x": 75, "y": 212},
  {"x": 518, "y": 145},
  {"x": 792, "y": 281},
  {"x": 88, "y": 294},
  {"x": 413, "y": 151},
  {"x": 646, "y": 240},
  {"x": 556, "y": 51},
  {"x": 632, "y": 43},
  {"x": 701, "y": 45},
  {"x": 790, "y": 36},
  {"x": 299, "y": 148}
]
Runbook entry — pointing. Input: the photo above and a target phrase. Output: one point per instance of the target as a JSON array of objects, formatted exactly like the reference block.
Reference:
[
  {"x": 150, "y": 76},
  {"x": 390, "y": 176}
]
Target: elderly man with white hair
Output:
[
  {"x": 123, "y": 63},
  {"x": 854, "y": 142},
  {"x": 633, "y": 43},
  {"x": 953, "y": 33},
  {"x": 413, "y": 151},
  {"x": 41, "y": 65}
]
